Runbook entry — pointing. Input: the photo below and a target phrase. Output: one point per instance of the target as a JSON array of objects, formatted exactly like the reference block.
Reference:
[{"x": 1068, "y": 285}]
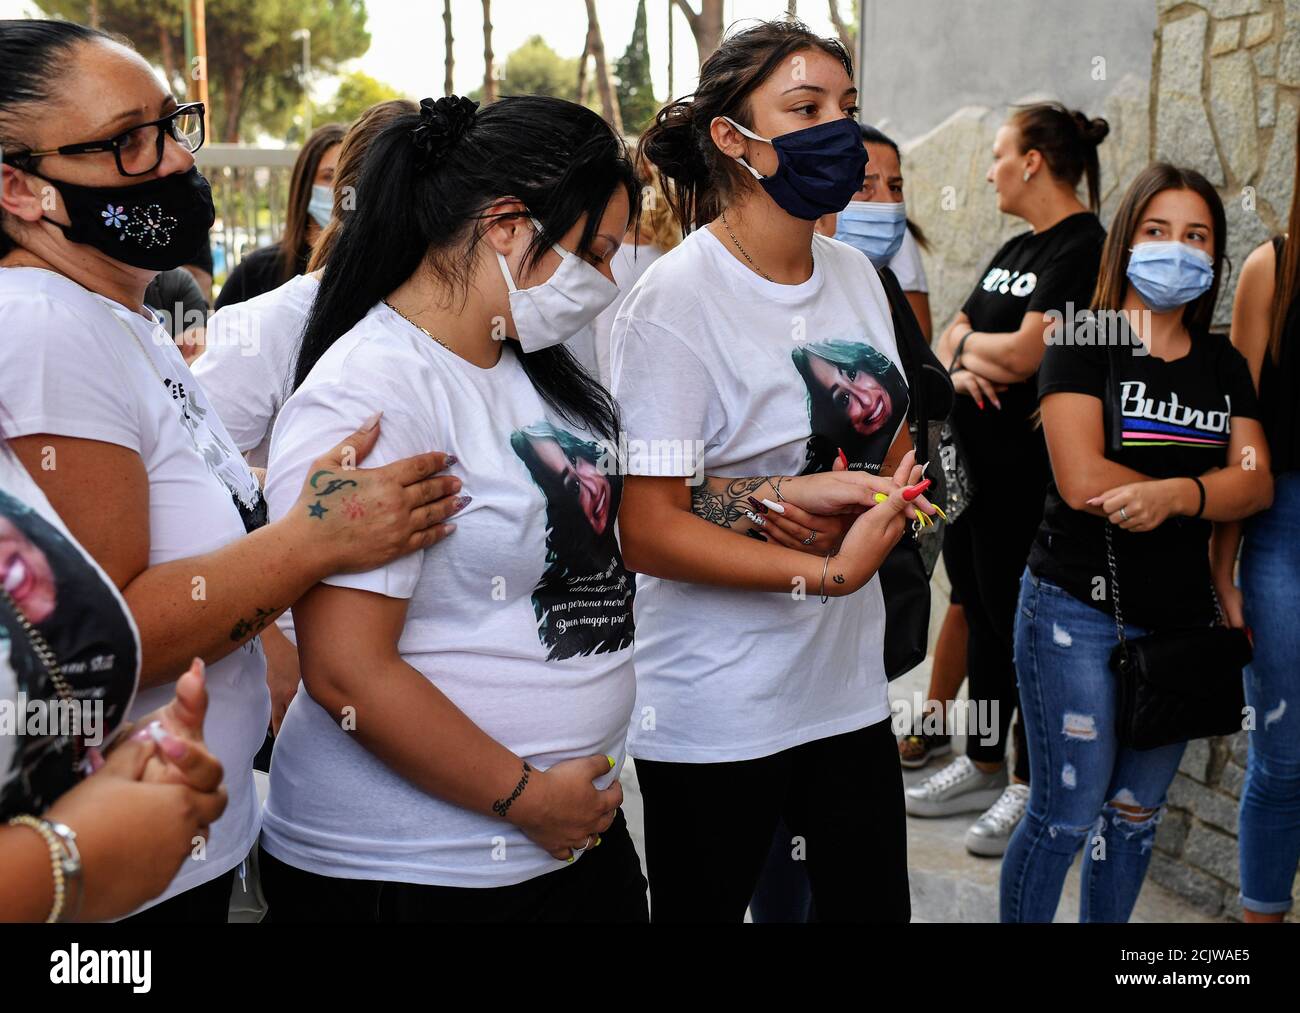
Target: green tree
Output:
[
  {"x": 636, "y": 97},
  {"x": 537, "y": 69},
  {"x": 254, "y": 77},
  {"x": 357, "y": 93}
]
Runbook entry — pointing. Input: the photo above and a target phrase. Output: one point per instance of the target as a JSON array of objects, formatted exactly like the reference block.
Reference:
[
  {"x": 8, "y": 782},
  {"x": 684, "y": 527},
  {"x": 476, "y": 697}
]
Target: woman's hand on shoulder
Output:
[{"x": 360, "y": 519}]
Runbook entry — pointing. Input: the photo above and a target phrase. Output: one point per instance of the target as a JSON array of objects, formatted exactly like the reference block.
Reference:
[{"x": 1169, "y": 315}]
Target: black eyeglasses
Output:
[{"x": 139, "y": 151}]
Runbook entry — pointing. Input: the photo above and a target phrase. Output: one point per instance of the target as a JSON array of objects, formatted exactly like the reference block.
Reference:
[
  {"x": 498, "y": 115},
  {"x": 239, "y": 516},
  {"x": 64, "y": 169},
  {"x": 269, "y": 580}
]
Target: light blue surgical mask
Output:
[
  {"x": 321, "y": 207},
  {"x": 1169, "y": 274},
  {"x": 874, "y": 227}
]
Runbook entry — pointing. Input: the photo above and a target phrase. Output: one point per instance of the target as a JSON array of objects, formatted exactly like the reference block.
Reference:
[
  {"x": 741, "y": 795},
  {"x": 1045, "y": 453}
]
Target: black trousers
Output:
[
  {"x": 605, "y": 884},
  {"x": 206, "y": 904},
  {"x": 984, "y": 552},
  {"x": 709, "y": 828}
]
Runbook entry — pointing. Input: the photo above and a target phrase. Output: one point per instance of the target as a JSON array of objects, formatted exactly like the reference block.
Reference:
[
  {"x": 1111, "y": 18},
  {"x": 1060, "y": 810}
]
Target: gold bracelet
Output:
[
  {"x": 56, "y": 860},
  {"x": 825, "y": 566}
]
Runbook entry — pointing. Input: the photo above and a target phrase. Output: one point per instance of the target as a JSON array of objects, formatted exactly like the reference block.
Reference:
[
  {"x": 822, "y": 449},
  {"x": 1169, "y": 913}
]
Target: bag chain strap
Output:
[
  {"x": 1114, "y": 587},
  {"x": 47, "y": 658},
  {"x": 1219, "y": 618}
]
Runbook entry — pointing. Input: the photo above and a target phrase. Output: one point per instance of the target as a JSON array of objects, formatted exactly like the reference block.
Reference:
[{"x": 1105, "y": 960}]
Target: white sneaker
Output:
[
  {"x": 990, "y": 833},
  {"x": 960, "y": 787}
]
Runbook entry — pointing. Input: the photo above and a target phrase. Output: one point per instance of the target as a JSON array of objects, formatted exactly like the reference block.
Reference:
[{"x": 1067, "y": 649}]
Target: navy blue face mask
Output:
[{"x": 819, "y": 168}]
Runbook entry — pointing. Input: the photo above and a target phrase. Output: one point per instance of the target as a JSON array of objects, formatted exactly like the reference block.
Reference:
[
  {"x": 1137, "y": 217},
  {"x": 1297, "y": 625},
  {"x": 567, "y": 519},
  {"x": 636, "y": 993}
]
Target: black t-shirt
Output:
[
  {"x": 1177, "y": 421},
  {"x": 261, "y": 271},
  {"x": 1032, "y": 273}
]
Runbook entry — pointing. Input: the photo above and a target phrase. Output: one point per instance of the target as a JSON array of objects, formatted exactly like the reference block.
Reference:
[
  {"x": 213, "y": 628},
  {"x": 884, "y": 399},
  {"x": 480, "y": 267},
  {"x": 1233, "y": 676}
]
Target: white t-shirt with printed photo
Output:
[
  {"x": 771, "y": 380},
  {"x": 78, "y": 365},
  {"x": 522, "y": 616}
]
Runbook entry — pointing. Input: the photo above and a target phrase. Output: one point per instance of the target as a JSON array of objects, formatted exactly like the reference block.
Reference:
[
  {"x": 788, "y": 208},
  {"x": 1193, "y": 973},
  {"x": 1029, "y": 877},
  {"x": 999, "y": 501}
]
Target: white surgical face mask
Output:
[{"x": 553, "y": 312}]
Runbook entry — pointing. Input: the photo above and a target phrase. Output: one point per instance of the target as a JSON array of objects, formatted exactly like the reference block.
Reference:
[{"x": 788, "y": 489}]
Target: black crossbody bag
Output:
[
  {"x": 1174, "y": 685},
  {"x": 905, "y": 572}
]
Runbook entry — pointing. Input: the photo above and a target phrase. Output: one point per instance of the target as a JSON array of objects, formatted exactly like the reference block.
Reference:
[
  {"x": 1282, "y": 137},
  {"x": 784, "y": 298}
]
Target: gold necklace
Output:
[
  {"x": 743, "y": 253},
  {"x": 750, "y": 260},
  {"x": 418, "y": 327}
]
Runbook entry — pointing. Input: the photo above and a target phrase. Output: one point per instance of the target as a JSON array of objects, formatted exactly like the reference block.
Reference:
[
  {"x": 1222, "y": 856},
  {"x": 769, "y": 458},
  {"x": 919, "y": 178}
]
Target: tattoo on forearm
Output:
[
  {"x": 724, "y": 506},
  {"x": 246, "y": 628},
  {"x": 502, "y": 805},
  {"x": 324, "y": 484}
]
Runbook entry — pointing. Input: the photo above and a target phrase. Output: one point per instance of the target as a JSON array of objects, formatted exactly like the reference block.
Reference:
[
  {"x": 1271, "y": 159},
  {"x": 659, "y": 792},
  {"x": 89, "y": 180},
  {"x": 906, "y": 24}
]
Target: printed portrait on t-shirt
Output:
[
  {"x": 857, "y": 399},
  {"x": 584, "y": 600},
  {"x": 50, "y": 587}
]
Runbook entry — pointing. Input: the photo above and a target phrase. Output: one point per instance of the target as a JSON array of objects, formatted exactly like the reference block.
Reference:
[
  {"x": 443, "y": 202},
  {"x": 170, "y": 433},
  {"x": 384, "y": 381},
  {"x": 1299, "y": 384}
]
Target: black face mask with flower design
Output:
[{"x": 155, "y": 226}]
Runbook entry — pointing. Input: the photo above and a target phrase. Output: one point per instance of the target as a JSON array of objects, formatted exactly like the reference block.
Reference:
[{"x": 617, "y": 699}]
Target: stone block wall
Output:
[
  {"x": 1224, "y": 99},
  {"x": 1196, "y": 845}
]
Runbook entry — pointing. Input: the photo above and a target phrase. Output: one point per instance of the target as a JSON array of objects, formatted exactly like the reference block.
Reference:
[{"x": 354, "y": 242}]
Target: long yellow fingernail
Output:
[
  {"x": 570, "y": 858},
  {"x": 939, "y": 511},
  {"x": 597, "y": 844},
  {"x": 611, "y": 760},
  {"x": 881, "y": 497}
]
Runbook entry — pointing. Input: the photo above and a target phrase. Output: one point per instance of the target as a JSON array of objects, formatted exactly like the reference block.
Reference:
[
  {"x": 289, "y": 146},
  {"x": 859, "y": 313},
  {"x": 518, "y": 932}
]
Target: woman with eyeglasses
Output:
[{"x": 109, "y": 422}]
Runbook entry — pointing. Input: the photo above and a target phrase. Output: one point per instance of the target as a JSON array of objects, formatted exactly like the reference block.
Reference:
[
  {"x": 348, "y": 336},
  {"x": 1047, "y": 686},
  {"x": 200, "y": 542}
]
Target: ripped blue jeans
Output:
[{"x": 1086, "y": 791}]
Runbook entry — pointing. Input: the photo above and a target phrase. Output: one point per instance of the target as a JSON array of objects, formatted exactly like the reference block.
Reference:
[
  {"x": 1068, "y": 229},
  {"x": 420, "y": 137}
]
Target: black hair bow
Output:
[{"x": 442, "y": 123}]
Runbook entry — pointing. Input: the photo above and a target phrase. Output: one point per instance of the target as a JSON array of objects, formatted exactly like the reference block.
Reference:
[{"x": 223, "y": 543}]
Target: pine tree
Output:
[{"x": 635, "y": 90}]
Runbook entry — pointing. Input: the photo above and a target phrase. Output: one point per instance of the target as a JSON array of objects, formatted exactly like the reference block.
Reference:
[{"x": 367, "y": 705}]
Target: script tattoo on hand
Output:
[
  {"x": 246, "y": 628},
  {"x": 502, "y": 805},
  {"x": 318, "y": 510},
  {"x": 723, "y": 505}
]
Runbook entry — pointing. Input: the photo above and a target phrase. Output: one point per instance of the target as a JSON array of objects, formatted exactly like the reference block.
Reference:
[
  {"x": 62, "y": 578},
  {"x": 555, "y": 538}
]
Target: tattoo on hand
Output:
[
  {"x": 724, "y": 507},
  {"x": 502, "y": 805},
  {"x": 246, "y": 628},
  {"x": 318, "y": 510}
]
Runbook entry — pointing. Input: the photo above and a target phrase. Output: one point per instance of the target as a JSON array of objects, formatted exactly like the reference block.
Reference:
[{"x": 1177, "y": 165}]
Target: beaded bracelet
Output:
[{"x": 65, "y": 861}]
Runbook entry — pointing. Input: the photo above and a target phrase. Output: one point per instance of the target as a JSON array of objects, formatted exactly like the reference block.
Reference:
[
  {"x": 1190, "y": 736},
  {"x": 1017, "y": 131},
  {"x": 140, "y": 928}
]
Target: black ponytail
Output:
[
  {"x": 428, "y": 180},
  {"x": 30, "y": 56}
]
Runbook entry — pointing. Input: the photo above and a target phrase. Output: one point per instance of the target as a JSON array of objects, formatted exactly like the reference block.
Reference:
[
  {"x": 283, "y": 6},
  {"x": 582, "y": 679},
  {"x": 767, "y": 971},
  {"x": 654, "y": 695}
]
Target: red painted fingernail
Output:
[
  {"x": 757, "y": 504},
  {"x": 981, "y": 405},
  {"x": 844, "y": 459},
  {"x": 914, "y": 491}
]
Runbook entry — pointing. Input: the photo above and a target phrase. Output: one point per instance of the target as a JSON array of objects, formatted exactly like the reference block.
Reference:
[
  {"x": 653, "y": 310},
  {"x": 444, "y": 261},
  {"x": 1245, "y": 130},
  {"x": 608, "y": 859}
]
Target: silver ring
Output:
[
  {"x": 579, "y": 851},
  {"x": 1123, "y": 514},
  {"x": 810, "y": 539}
]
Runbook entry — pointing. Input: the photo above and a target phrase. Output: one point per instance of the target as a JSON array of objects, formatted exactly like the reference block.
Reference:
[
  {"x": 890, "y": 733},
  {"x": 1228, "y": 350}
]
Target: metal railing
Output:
[{"x": 250, "y": 188}]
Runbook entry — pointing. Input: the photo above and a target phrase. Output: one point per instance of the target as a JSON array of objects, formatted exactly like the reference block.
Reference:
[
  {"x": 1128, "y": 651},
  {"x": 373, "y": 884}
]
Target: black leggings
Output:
[
  {"x": 984, "y": 552},
  {"x": 604, "y": 885},
  {"x": 709, "y": 829}
]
